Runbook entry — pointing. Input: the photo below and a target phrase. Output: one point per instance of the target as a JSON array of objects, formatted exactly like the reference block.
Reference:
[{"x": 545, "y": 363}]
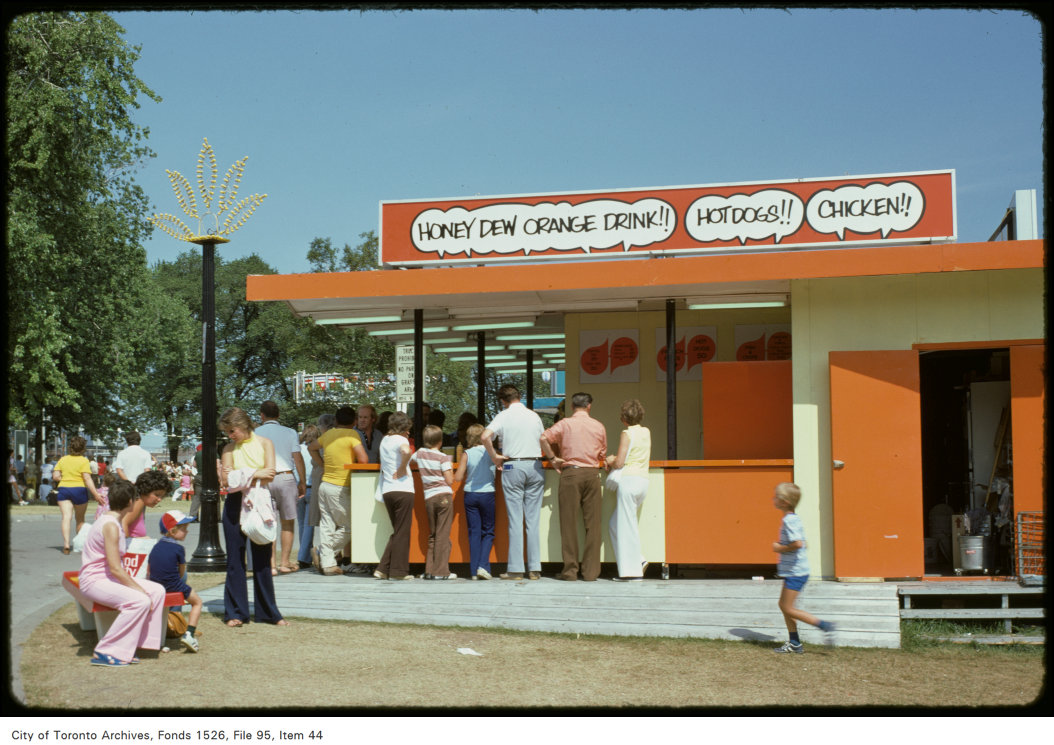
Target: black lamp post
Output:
[{"x": 209, "y": 555}]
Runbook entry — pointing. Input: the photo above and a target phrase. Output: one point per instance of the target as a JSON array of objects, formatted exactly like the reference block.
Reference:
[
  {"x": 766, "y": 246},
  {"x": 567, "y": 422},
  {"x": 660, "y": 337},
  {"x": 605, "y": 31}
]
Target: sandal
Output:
[
  {"x": 234, "y": 623},
  {"x": 105, "y": 660},
  {"x": 65, "y": 549},
  {"x": 281, "y": 622},
  {"x": 274, "y": 572},
  {"x": 288, "y": 570}
]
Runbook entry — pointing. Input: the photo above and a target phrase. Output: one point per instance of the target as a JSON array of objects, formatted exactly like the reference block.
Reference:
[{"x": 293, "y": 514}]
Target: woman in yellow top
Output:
[
  {"x": 73, "y": 472},
  {"x": 246, "y": 450}
]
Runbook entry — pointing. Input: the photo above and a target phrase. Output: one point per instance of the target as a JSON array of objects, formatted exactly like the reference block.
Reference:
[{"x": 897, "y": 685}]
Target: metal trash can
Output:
[{"x": 973, "y": 553}]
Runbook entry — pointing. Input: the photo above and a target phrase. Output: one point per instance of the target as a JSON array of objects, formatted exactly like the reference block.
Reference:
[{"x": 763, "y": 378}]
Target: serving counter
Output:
[{"x": 696, "y": 512}]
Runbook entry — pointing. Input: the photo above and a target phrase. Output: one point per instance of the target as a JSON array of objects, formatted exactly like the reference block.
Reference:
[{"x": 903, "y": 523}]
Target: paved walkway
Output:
[{"x": 867, "y": 615}]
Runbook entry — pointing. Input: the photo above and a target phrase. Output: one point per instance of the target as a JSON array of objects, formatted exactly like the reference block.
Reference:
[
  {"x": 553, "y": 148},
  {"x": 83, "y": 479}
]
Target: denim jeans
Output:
[
  {"x": 307, "y": 533},
  {"x": 479, "y": 516}
]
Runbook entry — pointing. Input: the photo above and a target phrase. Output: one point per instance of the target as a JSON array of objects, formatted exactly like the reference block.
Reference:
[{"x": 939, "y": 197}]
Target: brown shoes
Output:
[
  {"x": 534, "y": 575},
  {"x": 511, "y": 575}
]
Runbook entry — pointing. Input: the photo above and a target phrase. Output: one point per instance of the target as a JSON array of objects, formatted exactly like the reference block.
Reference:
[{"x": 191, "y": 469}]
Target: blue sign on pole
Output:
[{"x": 557, "y": 381}]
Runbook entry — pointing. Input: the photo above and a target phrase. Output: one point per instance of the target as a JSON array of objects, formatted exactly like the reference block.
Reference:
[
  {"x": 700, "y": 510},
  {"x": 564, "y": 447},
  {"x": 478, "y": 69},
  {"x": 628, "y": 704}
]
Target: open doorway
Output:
[{"x": 965, "y": 402}]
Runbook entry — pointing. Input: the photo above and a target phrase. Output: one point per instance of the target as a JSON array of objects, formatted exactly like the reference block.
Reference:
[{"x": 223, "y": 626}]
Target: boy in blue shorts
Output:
[
  {"x": 168, "y": 566},
  {"x": 793, "y": 568}
]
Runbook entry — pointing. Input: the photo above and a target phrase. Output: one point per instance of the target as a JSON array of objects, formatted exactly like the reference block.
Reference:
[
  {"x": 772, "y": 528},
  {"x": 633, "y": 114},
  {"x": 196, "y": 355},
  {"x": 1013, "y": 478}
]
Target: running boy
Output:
[
  {"x": 168, "y": 565},
  {"x": 793, "y": 568},
  {"x": 437, "y": 477}
]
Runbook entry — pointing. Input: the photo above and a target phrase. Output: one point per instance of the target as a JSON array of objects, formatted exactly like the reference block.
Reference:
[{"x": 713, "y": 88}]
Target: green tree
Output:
[
  {"x": 323, "y": 257},
  {"x": 75, "y": 218},
  {"x": 253, "y": 342}
]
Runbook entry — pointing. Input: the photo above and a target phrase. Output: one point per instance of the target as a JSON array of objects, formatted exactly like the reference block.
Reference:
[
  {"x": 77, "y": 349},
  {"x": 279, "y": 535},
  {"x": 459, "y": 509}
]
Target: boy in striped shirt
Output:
[{"x": 437, "y": 479}]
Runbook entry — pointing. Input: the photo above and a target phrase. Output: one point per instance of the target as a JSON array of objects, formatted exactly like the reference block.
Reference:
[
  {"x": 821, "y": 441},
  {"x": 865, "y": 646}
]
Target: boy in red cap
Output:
[{"x": 168, "y": 566}]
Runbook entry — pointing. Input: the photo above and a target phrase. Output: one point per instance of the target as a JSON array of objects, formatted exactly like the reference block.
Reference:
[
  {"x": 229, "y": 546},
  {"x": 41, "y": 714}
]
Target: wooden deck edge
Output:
[{"x": 987, "y": 639}]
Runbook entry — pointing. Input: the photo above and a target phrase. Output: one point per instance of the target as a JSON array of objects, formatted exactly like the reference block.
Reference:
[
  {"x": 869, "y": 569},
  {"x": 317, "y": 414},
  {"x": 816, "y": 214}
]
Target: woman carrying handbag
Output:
[{"x": 246, "y": 450}]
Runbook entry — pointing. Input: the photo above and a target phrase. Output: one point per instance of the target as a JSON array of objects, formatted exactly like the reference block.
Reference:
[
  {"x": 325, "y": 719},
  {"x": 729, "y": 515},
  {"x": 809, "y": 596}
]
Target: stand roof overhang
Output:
[{"x": 547, "y": 289}]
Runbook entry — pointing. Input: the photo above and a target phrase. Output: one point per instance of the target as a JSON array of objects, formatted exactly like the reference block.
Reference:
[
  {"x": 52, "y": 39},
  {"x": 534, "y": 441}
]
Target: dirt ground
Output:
[{"x": 333, "y": 665}]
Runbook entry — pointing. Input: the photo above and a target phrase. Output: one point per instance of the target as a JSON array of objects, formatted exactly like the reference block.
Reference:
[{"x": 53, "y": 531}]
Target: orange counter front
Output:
[{"x": 696, "y": 512}]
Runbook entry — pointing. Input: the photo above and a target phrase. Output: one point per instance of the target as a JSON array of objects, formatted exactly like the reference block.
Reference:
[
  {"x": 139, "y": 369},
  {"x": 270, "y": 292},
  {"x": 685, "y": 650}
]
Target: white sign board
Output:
[{"x": 404, "y": 374}]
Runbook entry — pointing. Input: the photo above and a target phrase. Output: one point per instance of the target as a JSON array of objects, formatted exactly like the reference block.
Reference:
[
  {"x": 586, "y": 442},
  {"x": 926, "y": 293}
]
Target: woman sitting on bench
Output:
[{"x": 104, "y": 580}]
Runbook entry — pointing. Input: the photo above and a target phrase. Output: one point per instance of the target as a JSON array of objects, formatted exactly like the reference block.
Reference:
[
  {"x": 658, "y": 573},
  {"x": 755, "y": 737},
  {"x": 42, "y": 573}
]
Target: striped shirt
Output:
[{"x": 431, "y": 464}]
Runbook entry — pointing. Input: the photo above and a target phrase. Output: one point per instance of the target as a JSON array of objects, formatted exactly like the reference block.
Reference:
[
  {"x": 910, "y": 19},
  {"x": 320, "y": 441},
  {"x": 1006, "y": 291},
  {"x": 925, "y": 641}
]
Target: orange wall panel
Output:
[
  {"x": 1027, "y": 397},
  {"x": 747, "y": 410},
  {"x": 876, "y": 432},
  {"x": 722, "y": 515}
]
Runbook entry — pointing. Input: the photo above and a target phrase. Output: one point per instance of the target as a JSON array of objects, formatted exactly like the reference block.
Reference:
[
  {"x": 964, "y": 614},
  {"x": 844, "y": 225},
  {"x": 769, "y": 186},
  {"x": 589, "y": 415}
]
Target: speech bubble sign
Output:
[
  {"x": 595, "y": 359},
  {"x": 623, "y": 352},
  {"x": 778, "y": 346},
  {"x": 751, "y": 350},
  {"x": 771, "y": 213},
  {"x": 510, "y": 228},
  {"x": 866, "y": 209},
  {"x": 701, "y": 348},
  {"x": 679, "y": 356}
]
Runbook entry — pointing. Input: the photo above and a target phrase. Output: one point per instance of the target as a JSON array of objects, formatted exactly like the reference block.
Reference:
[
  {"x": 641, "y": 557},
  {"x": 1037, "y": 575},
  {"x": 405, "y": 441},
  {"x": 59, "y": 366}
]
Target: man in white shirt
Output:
[
  {"x": 522, "y": 478},
  {"x": 285, "y": 489},
  {"x": 133, "y": 460},
  {"x": 46, "y": 469}
]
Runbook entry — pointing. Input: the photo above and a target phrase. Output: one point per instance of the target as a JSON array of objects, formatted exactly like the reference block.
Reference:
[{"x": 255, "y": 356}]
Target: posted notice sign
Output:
[
  {"x": 404, "y": 374},
  {"x": 715, "y": 218}
]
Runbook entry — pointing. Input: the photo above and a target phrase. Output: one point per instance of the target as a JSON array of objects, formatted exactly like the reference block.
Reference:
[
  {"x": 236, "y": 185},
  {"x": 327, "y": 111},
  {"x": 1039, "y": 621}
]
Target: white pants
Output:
[
  {"x": 334, "y": 527},
  {"x": 625, "y": 536}
]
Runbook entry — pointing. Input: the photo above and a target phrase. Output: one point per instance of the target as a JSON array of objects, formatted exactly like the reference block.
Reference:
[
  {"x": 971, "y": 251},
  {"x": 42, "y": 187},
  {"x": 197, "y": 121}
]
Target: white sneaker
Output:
[
  {"x": 189, "y": 642},
  {"x": 446, "y": 576},
  {"x": 483, "y": 573}
]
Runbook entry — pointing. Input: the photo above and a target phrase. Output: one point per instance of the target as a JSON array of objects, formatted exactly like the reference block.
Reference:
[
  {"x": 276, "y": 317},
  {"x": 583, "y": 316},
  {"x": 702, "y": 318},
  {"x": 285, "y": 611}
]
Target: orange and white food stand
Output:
[{"x": 860, "y": 277}]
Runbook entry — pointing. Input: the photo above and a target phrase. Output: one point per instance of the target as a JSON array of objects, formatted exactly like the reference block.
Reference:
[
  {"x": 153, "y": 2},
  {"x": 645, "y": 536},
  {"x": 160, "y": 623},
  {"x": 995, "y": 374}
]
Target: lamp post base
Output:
[{"x": 209, "y": 555}]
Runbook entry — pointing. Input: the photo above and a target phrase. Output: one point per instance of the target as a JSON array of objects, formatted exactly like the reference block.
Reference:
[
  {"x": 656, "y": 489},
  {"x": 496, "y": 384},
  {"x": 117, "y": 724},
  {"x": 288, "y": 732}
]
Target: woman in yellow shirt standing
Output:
[
  {"x": 73, "y": 472},
  {"x": 246, "y": 450}
]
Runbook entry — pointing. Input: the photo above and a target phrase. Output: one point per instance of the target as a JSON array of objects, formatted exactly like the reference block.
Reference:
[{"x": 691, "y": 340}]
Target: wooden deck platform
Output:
[
  {"x": 993, "y": 602},
  {"x": 866, "y": 615}
]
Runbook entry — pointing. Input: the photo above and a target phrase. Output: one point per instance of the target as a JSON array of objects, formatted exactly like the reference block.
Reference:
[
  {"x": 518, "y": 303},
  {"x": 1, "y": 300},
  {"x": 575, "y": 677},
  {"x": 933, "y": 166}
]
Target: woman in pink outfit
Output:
[{"x": 103, "y": 578}]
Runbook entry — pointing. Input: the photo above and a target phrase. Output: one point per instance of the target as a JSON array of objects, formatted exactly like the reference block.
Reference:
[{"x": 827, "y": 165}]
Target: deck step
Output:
[{"x": 746, "y": 610}]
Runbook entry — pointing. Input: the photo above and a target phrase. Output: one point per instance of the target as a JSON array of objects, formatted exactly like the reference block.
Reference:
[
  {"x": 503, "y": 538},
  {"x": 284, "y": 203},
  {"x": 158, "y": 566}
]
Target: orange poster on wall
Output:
[
  {"x": 609, "y": 356},
  {"x": 857, "y": 210}
]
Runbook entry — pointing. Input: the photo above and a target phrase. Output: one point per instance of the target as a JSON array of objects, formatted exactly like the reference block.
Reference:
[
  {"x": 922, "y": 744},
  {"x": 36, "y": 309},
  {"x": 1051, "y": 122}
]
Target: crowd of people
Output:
[
  {"x": 301, "y": 483},
  {"x": 510, "y": 448}
]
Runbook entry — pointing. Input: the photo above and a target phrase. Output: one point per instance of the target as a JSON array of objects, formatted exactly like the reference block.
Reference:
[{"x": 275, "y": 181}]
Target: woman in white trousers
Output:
[{"x": 634, "y": 453}]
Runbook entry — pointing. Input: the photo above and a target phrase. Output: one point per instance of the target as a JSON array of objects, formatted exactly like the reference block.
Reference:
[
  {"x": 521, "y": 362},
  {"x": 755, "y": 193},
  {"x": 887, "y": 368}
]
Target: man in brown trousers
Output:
[{"x": 582, "y": 442}]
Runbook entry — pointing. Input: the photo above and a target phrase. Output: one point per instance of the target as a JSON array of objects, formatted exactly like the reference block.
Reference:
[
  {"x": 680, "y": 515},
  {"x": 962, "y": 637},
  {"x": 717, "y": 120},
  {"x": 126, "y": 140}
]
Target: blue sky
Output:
[{"x": 338, "y": 110}]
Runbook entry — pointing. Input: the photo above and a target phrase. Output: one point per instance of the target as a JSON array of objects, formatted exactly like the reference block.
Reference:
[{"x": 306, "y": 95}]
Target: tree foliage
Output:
[{"x": 75, "y": 217}]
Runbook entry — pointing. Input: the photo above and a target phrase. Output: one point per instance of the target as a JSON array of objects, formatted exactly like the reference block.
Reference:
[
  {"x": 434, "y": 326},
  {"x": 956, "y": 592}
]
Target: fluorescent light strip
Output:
[
  {"x": 396, "y": 332},
  {"x": 745, "y": 300},
  {"x": 745, "y": 304},
  {"x": 357, "y": 320},
  {"x": 472, "y": 358},
  {"x": 470, "y": 348},
  {"x": 444, "y": 340},
  {"x": 489, "y": 326},
  {"x": 536, "y": 346},
  {"x": 523, "y": 337}
]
